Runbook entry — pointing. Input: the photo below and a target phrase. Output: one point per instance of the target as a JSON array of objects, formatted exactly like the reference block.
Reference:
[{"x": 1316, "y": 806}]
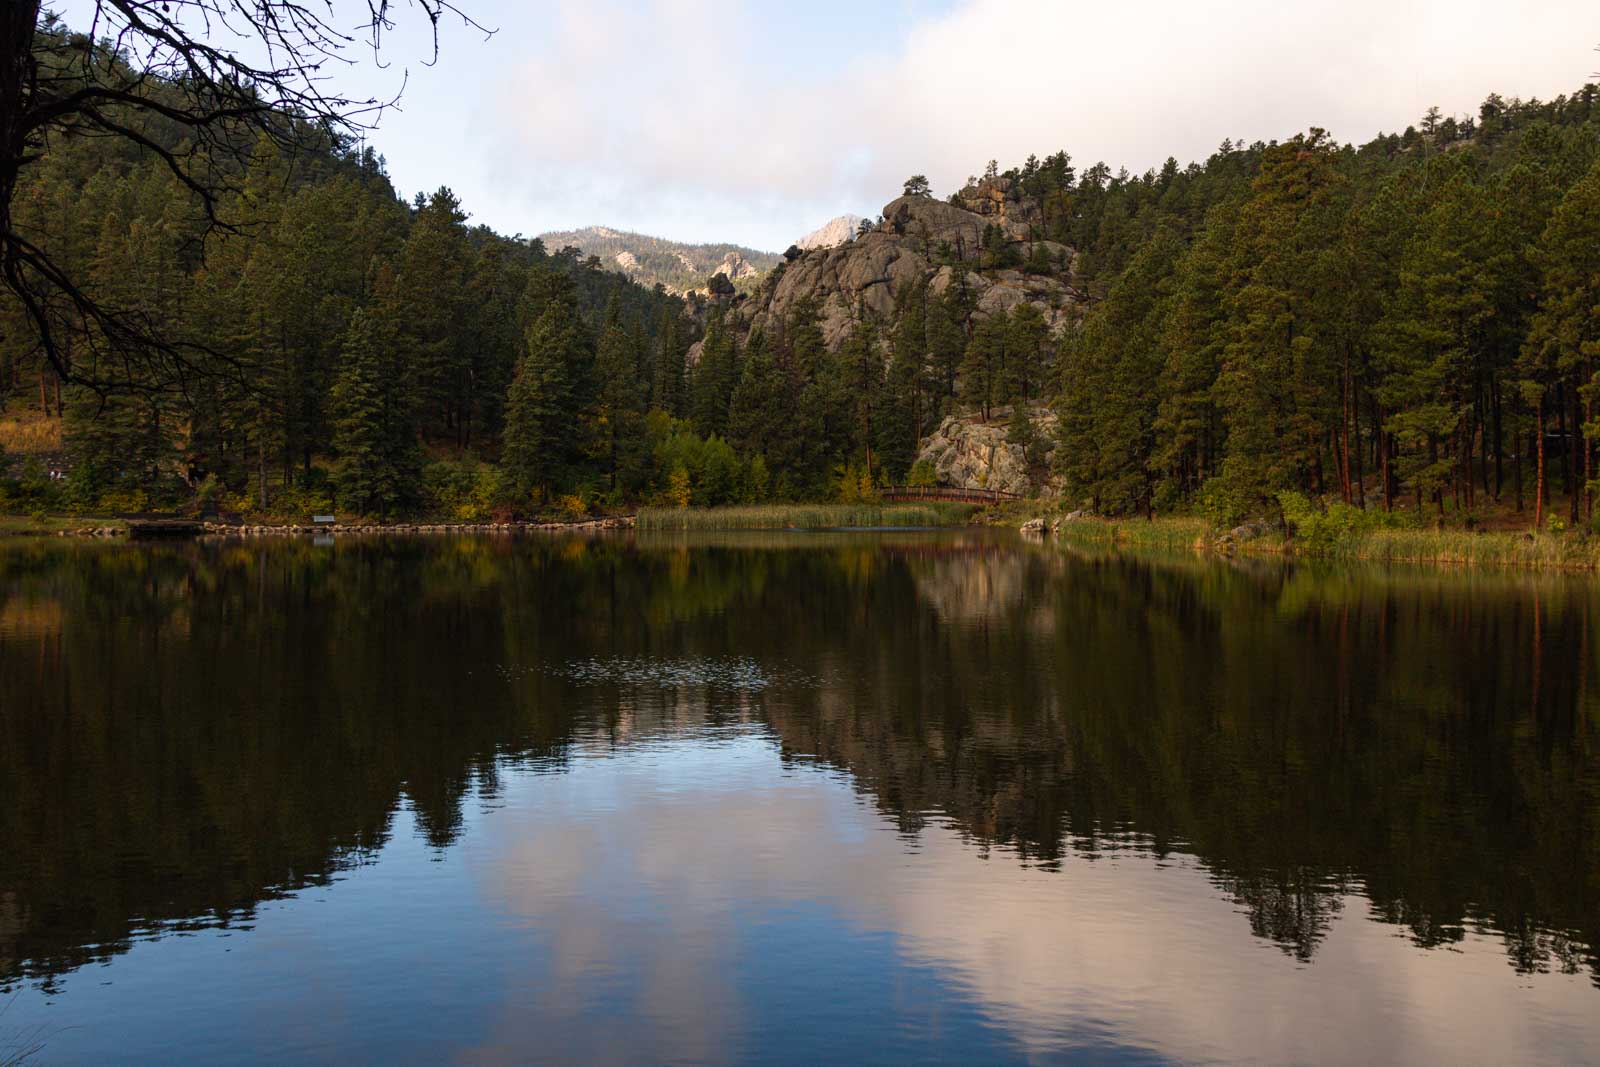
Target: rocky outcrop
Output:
[
  {"x": 735, "y": 266},
  {"x": 923, "y": 240},
  {"x": 967, "y": 454},
  {"x": 679, "y": 267},
  {"x": 830, "y": 234}
]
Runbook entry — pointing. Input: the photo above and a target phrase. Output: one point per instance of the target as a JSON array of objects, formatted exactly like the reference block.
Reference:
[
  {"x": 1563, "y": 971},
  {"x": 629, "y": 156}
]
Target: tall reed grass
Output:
[
  {"x": 1544, "y": 551},
  {"x": 803, "y": 516},
  {"x": 1549, "y": 551},
  {"x": 1158, "y": 535},
  {"x": 29, "y": 434}
]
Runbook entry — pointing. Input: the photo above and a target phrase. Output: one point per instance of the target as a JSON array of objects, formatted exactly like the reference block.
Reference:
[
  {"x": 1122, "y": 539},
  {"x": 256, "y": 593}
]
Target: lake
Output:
[{"x": 793, "y": 797}]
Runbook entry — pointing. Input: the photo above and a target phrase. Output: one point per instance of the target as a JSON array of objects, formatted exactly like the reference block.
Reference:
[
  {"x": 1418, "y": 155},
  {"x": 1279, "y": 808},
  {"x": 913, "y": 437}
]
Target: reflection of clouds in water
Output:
[{"x": 648, "y": 888}]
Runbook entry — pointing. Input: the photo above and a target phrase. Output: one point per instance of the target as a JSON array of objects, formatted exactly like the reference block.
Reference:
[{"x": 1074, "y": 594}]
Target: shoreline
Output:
[
  {"x": 1570, "y": 552},
  {"x": 1567, "y": 552},
  {"x": 119, "y": 529}
]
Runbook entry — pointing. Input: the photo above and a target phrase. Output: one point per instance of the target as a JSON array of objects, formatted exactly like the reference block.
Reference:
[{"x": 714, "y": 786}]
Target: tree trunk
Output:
[
  {"x": 1566, "y": 439},
  {"x": 1344, "y": 430},
  {"x": 1516, "y": 473},
  {"x": 1499, "y": 474},
  {"x": 1588, "y": 462},
  {"x": 1361, "y": 478},
  {"x": 1539, "y": 484},
  {"x": 1383, "y": 458},
  {"x": 261, "y": 471},
  {"x": 1572, "y": 461}
]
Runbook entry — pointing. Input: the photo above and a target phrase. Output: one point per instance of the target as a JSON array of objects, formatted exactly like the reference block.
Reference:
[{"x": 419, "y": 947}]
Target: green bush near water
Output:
[
  {"x": 802, "y": 516},
  {"x": 1326, "y": 530}
]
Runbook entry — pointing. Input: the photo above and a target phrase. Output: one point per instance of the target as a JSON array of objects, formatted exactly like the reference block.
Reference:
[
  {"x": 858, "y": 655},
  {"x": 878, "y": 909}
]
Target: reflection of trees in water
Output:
[
  {"x": 191, "y": 730},
  {"x": 1304, "y": 735}
]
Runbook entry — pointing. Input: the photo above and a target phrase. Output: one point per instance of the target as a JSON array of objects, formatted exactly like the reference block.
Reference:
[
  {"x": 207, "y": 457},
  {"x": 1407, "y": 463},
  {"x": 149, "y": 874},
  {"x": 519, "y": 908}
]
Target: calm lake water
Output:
[{"x": 791, "y": 798}]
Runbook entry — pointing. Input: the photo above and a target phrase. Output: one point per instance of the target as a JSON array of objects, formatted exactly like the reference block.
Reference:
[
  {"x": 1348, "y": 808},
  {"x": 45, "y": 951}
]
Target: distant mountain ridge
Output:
[
  {"x": 830, "y": 234},
  {"x": 677, "y": 265}
]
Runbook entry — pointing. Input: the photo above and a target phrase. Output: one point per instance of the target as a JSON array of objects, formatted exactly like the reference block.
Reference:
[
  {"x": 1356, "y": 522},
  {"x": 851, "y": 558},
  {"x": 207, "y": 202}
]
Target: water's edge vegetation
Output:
[
  {"x": 1303, "y": 534},
  {"x": 1379, "y": 545},
  {"x": 805, "y": 516}
]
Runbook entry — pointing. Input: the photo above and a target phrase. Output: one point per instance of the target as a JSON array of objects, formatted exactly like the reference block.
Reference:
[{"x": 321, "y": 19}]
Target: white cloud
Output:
[
  {"x": 668, "y": 881},
  {"x": 668, "y": 116}
]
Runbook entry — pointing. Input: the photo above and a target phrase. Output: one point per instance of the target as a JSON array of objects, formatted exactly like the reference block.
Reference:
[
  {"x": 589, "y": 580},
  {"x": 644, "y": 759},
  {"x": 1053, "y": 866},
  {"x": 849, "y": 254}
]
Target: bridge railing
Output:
[{"x": 944, "y": 492}]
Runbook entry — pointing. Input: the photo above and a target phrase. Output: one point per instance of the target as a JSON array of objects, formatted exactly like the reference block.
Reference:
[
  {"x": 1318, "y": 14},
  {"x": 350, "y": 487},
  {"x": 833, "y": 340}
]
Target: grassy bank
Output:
[
  {"x": 50, "y": 525},
  {"x": 1498, "y": 549},
  {"x": 1161, "y": 535},
  {"x": 1566, "y": 551},
  {"x": 803, "y": 516}
]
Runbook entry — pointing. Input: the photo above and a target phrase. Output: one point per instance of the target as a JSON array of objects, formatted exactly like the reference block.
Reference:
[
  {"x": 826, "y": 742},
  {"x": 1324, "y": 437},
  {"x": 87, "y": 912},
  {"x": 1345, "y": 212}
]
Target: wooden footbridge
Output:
[{"x": 896, "y": 493}]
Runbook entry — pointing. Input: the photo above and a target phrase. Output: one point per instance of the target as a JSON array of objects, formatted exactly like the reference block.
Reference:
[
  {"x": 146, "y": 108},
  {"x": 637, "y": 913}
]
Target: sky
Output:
[{"x": 755, "y": 121}]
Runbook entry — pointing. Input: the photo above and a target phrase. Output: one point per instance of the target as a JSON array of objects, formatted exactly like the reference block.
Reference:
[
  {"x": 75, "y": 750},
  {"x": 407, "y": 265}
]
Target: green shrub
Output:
[
  {"x": 209, "y": 493},
  {"x": 124, "y": 499},
  {"x": 1334, "y": 527},
  {"x": 465, "y": 490}
]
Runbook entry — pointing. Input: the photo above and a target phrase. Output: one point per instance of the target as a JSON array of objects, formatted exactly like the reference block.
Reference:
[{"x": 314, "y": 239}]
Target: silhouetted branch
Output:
[{"x": 232, "y": 74}]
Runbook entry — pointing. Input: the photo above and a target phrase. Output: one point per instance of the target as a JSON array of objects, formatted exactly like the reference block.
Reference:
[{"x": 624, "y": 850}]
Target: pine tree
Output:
[
  {"x": 1020, "y": 432},
  {"x": 378, "y": 462},
  {"x": 493, "y": 343},
  {"x": 538, "y": 449},
  {"x": 898, "y": 429},
  {"x": 1436, "y": 340},
  {"x": 715, "y": 377},
  {"x": 862, "y": 363},
  {"x": 620, "y": 409},
  {"x": 806, "y": 350},
  {"x": 1107, "y": 407},
  {"x": 668, "y": 388},
  {"x": 1279, "y": 356},
  {"x": 762, "y": 412},
  {"x": 1188, "y": 426},
  {"x": 1564, "y": 340},
  {"x": 1027, "y": 347},
  {"x": 429, "y": 304},
  {"x": 909, "y": 346},
  {"x": 947, "y": 335},
  {"x": 983, "y": 365}
]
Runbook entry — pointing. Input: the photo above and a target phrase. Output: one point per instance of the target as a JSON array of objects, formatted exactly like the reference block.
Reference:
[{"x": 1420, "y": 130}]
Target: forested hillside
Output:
[
  {"x": 339, "y": 344},
  {"x": 1411, "y": 323},
  {"x": 676, "y": 265},
  {"x": 1408, "y": 325}
]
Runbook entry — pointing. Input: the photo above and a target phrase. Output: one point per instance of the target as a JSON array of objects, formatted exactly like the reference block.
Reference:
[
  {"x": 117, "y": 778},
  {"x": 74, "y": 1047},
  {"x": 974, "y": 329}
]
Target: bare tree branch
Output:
[{"x": 231, "y": 74}]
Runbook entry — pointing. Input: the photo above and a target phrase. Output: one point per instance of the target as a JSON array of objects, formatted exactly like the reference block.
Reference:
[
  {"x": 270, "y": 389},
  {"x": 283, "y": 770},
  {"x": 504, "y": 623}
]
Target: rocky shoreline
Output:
[{"x": 241, "y": 530}]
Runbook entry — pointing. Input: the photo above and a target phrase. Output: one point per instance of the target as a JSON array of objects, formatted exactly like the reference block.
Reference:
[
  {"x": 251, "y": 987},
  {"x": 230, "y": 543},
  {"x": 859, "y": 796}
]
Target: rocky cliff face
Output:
[
  {"x": 968, "y": 454},
  {"x": 830, "y": 234},
  {"x": 921, "y": 239},
  {"x": 735, "y": 266}
]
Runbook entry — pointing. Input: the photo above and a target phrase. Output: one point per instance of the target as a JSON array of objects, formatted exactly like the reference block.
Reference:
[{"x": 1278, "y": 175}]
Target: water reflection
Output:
[{"x": 658, "y": 765}]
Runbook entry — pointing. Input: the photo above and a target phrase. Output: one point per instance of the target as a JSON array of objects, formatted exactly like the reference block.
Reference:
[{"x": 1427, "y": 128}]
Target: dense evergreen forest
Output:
[
  {"x": 346, "y": 345},
  {"x": 1411, "y": 324}
]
